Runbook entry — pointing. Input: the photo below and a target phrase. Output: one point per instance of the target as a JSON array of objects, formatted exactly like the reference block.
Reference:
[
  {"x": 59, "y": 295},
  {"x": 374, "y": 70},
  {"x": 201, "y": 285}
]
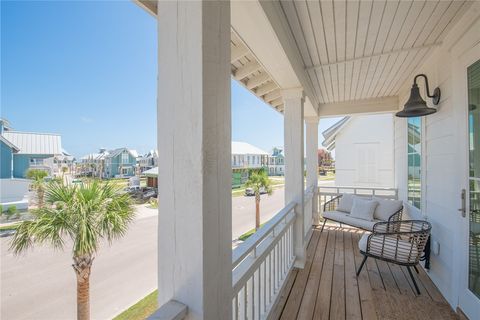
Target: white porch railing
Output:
[
  {"x": 327, "y": 193},
  {"x": 260, "y": 266}
]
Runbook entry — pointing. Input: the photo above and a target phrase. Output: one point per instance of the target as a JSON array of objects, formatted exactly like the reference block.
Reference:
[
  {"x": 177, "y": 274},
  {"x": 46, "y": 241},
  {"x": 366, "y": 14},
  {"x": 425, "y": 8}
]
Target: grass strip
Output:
[{"x": 142, "y": 309}]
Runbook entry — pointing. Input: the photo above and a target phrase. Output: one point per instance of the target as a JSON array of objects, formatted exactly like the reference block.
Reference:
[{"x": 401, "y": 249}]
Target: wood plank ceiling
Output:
[{"x": 365, "y": 49}]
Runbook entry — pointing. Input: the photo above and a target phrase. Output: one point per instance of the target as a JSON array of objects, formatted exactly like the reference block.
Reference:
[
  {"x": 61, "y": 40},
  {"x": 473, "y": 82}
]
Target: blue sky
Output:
[{"x": 87, "y": 70}]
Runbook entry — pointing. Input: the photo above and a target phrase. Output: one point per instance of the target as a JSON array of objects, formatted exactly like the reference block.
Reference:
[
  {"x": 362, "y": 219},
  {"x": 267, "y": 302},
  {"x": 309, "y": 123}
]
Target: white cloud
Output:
[{"x": 86, "y": 119}]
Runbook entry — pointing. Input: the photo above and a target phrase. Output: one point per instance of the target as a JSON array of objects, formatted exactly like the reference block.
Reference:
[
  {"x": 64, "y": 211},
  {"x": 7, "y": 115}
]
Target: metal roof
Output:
[
  {"x": 246, "y": 148},
  {"x": 35, "y": 143},
  {"x": 152, "y": 172},
  {"x": 9, "y": 144}
]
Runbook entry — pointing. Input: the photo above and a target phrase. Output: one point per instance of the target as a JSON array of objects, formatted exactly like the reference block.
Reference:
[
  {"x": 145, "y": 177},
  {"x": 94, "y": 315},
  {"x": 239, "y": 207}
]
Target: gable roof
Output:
[
  {"x": 9, "y": 144},
  {"x": 117, "y": 151},
  {"x": 35, "y": 143},
  {"x": 332, "y": 132},
  {"x": 246, "y": 148}
]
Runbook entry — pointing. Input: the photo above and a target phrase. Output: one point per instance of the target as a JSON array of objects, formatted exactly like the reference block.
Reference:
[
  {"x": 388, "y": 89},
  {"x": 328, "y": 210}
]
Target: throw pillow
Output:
[
  {"x": 363, "y": 209},
  {"x": 346, "y": 203},
  {"x": 386, "y": 208}
]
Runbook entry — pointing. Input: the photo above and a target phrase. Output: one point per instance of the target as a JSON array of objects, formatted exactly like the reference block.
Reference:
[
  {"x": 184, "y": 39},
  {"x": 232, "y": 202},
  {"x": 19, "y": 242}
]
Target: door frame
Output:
[{"x": 467, "y": 301}]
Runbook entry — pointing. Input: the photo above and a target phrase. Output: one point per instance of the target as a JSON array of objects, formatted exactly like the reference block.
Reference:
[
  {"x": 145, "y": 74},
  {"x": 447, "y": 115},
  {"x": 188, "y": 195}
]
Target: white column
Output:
[
  {"x": 311, "y": 132},
  {"x": 194, "y": 144},
  {"x": 294, "y": 186}
]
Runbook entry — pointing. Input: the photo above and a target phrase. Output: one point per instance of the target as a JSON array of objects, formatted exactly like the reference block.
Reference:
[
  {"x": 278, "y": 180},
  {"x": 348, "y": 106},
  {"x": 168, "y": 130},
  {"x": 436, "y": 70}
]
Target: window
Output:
[
  {"x": 125, "y": 157},
  {"x": 414, "y": 189}
]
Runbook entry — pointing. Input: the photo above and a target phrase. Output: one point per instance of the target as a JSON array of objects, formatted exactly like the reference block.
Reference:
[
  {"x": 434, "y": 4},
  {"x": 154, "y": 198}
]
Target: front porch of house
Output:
[
  {"x": 327, "y": 288},
  {"x": 310, "y": 60}
]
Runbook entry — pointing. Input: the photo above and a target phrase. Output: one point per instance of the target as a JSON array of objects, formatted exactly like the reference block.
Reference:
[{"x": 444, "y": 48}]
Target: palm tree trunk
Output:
[
  {"x": 40, "y": 194},
  {"x": 82, "y": 266},
  {"x": 257, "y": 211}
]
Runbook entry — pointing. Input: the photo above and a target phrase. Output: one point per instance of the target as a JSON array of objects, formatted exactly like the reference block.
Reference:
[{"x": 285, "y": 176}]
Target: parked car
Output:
[
  {"x": 250, "y": 192},
  {"x": 132, "y": 189}
]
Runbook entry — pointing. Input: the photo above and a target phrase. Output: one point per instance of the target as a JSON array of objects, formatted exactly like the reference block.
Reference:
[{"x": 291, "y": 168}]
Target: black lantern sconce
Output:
[{"x": 416, "y": 106}]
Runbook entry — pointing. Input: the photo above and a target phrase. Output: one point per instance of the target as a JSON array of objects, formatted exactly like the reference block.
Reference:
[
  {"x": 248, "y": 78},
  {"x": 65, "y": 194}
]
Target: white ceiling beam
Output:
[
  {"x": 237, "y": 52},
  {"x": 266, "y": 88},
  {"x": 277, "y": 102},
  {"x": 373, "y": 56},
  {"x": 272, "y": 95},
  {"x": 247, "y": 70},
  {"x": 365, "y": 106},
  {"x": 257, "y": 80}
]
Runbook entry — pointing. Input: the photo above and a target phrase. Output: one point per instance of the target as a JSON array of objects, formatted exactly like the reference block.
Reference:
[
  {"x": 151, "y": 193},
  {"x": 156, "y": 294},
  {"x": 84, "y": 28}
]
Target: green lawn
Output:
[
  {"x": 276, "y": 182},
  {"x": 142, "y": 309}
]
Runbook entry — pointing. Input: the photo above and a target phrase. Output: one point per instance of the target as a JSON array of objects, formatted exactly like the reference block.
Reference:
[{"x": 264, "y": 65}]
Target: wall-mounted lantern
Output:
[{"x": 416, "y": 106}]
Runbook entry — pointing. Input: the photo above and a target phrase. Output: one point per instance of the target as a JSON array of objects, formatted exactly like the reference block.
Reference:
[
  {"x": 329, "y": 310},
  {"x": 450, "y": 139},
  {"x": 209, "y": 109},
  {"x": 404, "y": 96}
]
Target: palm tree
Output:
[
  {"x": 38, "y": 184},
  {"x": 258, "y": 181},
  {"x": 85, "y": 214}
]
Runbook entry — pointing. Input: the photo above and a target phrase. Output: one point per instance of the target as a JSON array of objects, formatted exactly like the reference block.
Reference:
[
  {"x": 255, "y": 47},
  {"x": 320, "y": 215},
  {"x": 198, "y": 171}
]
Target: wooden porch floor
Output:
[{"x": 327, "y": 288}]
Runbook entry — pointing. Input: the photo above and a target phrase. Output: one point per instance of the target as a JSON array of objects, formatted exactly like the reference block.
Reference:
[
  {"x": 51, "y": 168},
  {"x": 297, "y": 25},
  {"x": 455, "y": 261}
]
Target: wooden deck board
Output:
[{"x": 328, "y": 288}]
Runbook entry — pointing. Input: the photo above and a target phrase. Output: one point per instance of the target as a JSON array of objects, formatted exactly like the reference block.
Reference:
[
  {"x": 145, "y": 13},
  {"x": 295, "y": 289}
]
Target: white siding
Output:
[
  {"x": 364, "y": 152},
  {"x": 441, "y": 165}
]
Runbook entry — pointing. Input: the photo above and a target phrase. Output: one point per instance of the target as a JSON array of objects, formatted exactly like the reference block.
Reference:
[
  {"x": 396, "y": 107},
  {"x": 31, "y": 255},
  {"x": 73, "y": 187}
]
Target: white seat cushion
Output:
[
  {"x": 392, "y": 248},
  {"x": 386, "y": 208},
  {"x": 351, "y": 221},
  {"x": 363, "y": 209}
]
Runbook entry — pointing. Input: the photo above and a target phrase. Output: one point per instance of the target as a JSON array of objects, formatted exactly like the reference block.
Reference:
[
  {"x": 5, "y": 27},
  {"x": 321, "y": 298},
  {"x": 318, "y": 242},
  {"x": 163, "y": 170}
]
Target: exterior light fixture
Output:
[{"x": 416, "y": 106}]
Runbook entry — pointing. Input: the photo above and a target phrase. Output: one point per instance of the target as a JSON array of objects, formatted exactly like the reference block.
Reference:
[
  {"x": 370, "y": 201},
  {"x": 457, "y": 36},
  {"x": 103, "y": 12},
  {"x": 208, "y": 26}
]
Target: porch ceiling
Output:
[{"x": 356, "y": 50}]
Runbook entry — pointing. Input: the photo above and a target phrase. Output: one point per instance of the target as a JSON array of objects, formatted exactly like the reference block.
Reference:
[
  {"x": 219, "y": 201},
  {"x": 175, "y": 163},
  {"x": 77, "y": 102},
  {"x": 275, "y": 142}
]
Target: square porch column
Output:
[
  {"x": 311, "y": 131},
  {"x": 194, "y": 144},
  {"x": 294, "y": 186}
]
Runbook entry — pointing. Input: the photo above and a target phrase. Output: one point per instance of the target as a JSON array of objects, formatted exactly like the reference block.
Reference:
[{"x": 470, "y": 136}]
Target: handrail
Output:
[
  {"x": 374, "y": 191},
  {"x": 249, "y": 245}
]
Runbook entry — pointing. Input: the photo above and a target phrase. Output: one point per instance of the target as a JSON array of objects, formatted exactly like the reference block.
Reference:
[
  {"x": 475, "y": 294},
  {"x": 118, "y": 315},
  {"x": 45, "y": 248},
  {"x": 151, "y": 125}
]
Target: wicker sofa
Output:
[{"x": 388, "y": 211}]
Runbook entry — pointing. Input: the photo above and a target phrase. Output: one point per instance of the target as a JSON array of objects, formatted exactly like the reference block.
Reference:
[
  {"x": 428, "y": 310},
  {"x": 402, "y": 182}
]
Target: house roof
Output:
[
  {"x": 152, "y": 172},
  {"x": 35, "y": 143},
  {"x": 332, "y": 132},
  {"x": 9, "y": 144},
  {"x": 116, "y": 152},
  {"x": 246, "y": 148}
]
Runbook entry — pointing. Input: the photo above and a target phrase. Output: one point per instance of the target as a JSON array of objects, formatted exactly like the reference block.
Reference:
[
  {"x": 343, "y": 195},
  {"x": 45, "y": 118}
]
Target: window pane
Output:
[{"x": 414, "y": 161}]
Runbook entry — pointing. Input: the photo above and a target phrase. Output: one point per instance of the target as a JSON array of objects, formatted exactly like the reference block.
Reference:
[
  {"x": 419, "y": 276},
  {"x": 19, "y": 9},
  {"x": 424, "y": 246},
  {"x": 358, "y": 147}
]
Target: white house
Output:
[
  {"x": 247, "y": 156},
  {"x": 309, "y": 60},
  {"x": 363, "y": 150},
  {"x": 148, "y": 160}
]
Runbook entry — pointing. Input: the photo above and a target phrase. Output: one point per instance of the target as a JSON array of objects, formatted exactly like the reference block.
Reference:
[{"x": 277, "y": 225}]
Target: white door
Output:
[{"x": 469, "y": 272}]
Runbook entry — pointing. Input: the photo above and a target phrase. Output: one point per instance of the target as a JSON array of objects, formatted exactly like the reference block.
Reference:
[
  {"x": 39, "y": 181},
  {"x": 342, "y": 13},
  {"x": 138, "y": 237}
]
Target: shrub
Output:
[{"x": 11, "y": 211}]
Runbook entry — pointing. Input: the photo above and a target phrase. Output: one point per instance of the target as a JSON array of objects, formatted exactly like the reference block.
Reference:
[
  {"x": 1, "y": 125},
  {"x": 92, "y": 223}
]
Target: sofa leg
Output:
[
  {"x": 361, "y": 265},
  {"x": 416, "y": 269},
  {"x": 323, "y": 226},
  {"x": 413, "y": 280}
]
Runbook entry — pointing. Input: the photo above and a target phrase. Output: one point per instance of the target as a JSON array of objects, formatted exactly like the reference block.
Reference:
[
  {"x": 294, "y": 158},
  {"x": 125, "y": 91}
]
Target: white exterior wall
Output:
[
  {"x": 442, "y": 148},
  {"x": 373, "y": 136}
]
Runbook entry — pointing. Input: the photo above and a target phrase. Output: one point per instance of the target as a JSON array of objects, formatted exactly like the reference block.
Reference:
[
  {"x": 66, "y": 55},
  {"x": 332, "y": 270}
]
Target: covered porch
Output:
[
  {"x": 327, "y": 288},
  {"x": 309, "y": 60}
]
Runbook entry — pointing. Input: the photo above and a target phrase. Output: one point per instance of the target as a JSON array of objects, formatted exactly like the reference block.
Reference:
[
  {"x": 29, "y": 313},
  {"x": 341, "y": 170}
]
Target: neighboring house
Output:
[
  {"x": 27, "y": 150},
  {"x": 276, "y": 162},
  {"x": 65, "y": 160},
  {"x": 363, "y": 150},
  {"x": 148, "y": 161},
  {"x": 152, "y": 177},
  {"x": 121, "y": 162},
  {"x": 7, "y": 150},
  {"x": 244, "y": 157},
  {"x": 93, "y": 164}
]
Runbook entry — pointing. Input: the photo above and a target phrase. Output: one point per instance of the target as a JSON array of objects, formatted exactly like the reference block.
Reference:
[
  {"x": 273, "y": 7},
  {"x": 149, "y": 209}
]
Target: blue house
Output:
[
  {"x": 121, "y": 162},
  {"x": 23, "y": 150}
]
